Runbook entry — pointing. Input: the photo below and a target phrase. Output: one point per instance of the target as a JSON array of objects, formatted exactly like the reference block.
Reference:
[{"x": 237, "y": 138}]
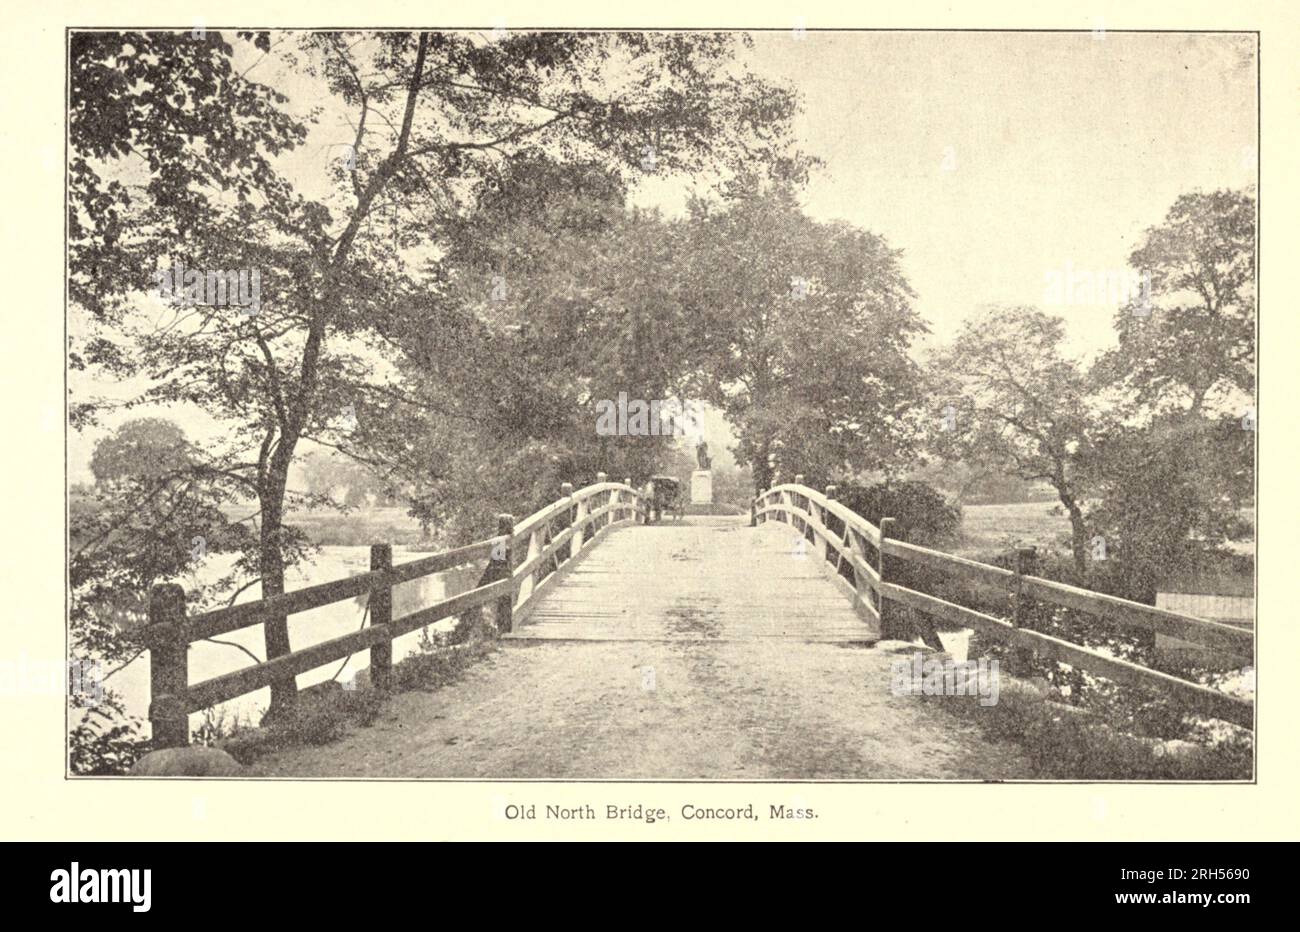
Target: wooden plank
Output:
[
  {"x": 524, "y": 527},
  {"x": 536, "y": 560},
  {"x": 1203, "y": 698},
  {"x": 1239, "y": 642},
  {"x": 440, "y": 562},
  {"x": 854, "y": 520},
  {"x": 527, "y": 602},
  {"x": 221, "y": 688},
  {"x": 959, "y": 566},
  {"x": 1236, "y": 641},
  {"x": 453, "y": 606},
  {"x": 707, "y": 582},
  {"x": 234, "y": 617}
]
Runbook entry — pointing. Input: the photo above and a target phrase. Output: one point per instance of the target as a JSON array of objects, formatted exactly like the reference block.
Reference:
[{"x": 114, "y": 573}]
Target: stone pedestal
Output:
[{"x": 702, "y": 487}]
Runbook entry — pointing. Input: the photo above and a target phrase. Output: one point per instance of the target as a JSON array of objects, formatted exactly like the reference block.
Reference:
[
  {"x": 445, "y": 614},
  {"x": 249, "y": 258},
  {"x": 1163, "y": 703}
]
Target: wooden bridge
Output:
[{"x": 800, "y": 569}]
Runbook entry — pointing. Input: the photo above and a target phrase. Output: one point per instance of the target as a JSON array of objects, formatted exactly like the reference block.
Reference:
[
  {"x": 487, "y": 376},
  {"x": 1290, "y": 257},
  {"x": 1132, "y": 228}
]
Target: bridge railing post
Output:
[
  {"x": 381, "y": 616},
  {"x": 169, "y": 674},
  {"x": 824, "y": 519},
  {"x": 883, "y": 607},
  {"x": 505, "y": 604},
  {"x": 528, "y": 581},
  {"x": 808, "y": 507},
  {"x": 1026, "y": 564},
  {"x": 604, "y": 499},
  {"x": 577, "y": 511},
  {"x": 626, "y": 498}
]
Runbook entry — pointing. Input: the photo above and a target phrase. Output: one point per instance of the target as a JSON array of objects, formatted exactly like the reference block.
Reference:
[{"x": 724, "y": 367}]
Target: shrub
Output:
[
  {"x": 1071, "y": 745},
  {"x": 922, "y": 515}
]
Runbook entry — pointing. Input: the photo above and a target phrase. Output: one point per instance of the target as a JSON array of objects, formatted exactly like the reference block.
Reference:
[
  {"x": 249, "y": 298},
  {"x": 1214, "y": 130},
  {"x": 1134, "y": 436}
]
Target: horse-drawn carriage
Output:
[{"x": 664, "y": 494}]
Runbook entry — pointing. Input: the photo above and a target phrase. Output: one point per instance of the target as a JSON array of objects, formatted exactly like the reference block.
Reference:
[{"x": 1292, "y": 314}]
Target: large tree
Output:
[
  {"x": 174, "y": 143},
  {"x": 1190, "y": 342},
  {"x": 807, "y": 327},
  {"x": 1008, "y": 396},
  {"x": 585, "y": 303},
  {"x": 1166, "y": 496}
]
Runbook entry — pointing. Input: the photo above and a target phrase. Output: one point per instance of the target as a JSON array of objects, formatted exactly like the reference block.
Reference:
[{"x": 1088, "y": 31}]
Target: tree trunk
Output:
[
  {"x": 762, "y": 468},
  {"x": 1078, "y": 533},
  {"x": 271, "y": 559}
]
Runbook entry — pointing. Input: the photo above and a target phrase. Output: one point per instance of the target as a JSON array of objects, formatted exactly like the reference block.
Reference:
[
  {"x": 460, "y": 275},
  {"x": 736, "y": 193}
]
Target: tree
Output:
[
  {"x": 1171, "y": 475},
  {"x": 807, "y": 327},
  {"x": 1167, "y": 495},
  {"x": 155, "y": 513},
  {"x": 1009, "y": 397},
  {"x": 143, "y": 448},
  {"x": 585, "y": 306},
  {"x": 434, "y": 113},
  {"x": 324, "y": 474},
  {"x": 1193, "y": 341}
]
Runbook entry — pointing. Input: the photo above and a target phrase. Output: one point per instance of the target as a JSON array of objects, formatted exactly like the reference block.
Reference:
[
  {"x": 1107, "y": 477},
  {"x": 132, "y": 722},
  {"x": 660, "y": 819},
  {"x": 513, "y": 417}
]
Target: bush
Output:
[
  {"x": 1071, "y": 745},
  {"x": 106, "y": 741},
  {"x": 921, "y": 514}
]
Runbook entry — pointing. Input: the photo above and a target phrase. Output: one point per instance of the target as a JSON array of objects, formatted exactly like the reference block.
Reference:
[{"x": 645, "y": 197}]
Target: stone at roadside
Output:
[{"x": 187, "y": 762}]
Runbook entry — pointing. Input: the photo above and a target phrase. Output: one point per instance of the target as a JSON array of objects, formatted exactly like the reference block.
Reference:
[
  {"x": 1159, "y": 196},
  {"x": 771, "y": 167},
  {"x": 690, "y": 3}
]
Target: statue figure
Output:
[{"x": 702, "y": 455}]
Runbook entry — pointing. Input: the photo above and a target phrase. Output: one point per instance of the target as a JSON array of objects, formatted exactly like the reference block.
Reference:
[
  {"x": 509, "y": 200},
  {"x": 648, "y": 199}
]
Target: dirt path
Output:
[{"x": 665, "y": 710}]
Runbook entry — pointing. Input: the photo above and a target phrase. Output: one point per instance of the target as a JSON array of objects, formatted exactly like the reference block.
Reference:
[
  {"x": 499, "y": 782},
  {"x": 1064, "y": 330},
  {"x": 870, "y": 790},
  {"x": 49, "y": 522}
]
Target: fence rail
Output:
[
  {"x": 552, "y": 537},
  {"x": 848, "y": 553}
]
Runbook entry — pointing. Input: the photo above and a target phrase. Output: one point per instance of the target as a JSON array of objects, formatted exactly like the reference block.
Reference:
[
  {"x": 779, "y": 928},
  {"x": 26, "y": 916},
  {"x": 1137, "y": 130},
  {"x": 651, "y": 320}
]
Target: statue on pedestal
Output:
[{"x": 702, "y": 478}]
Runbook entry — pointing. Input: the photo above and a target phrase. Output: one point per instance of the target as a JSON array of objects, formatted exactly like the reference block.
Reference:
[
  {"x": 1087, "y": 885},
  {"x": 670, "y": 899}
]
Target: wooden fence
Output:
[
  {"x": 856, "y": 556},
  {"x": 522, "y": 559}
]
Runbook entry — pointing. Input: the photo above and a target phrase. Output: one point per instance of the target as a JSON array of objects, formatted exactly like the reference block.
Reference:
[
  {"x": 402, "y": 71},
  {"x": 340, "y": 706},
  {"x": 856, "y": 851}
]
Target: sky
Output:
[{"x": 994, "y": 161}]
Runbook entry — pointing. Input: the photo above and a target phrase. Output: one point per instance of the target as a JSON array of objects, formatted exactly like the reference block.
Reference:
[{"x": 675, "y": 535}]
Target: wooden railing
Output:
[
  {"x": 855, "y": 555},
  {"x": 549, "y": 538}
]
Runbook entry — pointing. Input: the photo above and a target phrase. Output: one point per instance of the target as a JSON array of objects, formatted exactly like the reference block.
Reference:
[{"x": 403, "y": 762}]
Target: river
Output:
[{"x": 207, "y": 659}]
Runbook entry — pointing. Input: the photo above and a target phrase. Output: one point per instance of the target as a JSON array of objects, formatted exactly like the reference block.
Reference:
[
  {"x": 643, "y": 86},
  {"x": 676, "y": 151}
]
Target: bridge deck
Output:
[
  {"x": 711, "y": 579},
  {"x": 698, "y": 651}
]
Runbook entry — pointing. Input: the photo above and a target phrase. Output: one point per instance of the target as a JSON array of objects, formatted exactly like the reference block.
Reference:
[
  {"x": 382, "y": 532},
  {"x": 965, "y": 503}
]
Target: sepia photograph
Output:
[{"x": 730, "y": 405}]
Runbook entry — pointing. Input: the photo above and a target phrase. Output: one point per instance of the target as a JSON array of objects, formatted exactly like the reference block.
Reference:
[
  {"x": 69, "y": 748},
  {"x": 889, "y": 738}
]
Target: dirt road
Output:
[{"x": 759, "y": 710}]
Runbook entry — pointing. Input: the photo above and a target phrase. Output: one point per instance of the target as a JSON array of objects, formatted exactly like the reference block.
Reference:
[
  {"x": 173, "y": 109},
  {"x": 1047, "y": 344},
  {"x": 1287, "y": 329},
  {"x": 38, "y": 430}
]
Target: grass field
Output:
[
  {"x": 361, "y": 527},
  {"x": 984, "y": 527},
  {"x": 1002, "y": 527}
]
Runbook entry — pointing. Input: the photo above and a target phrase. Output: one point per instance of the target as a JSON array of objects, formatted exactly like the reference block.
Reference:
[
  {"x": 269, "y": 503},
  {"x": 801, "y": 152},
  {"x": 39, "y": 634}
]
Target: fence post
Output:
[
  {"x": 623, "y": 513},
  {"x": 798, "y": 478},
  {"x": 1026, "y": 564},
  {"x": 169, "y": 676},
  {"x": 883, "y": 607},
  {"x": 753, "y": 511},
  {"x": 605, "y": 499},
  {"x": 829, "y": 553},
  {"x": 381, "y": 613},
  {"x": 505, "y": 567}
]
